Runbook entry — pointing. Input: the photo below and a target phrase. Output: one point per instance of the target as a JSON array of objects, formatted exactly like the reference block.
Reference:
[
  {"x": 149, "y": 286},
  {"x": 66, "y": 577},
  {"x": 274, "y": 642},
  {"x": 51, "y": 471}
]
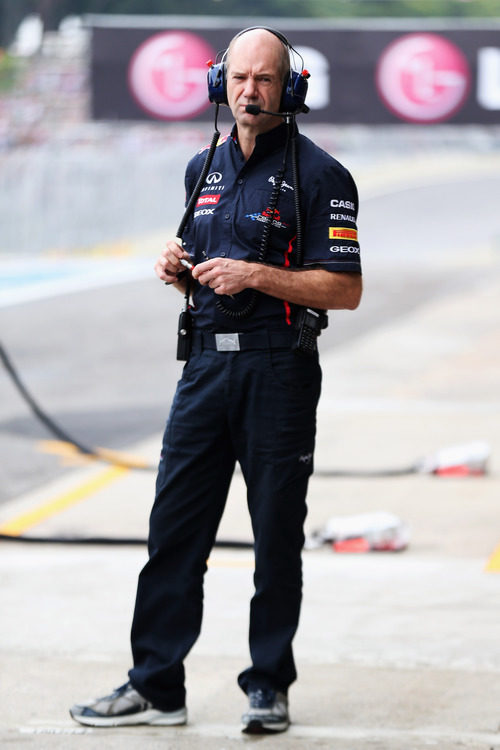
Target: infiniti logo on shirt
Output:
[{"x": 213, "y": 178}]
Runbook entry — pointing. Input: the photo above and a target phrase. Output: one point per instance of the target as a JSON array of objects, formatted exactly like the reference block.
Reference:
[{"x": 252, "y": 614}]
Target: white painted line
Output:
[
  {"x": 31, "y": 279},
  {"x": 411, "y": 174},
  {"x": 55, "y": 730},
  {"x": 431, "y": 735},
  {"x": 396, "y": 405}
]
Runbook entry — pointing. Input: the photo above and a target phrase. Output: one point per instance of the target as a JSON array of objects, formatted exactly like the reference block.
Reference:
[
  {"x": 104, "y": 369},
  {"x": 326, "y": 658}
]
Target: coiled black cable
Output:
[
  {"x": 296, "y": 196},
  {"x": 246, "y": 311},
  {"x": 201, "y": 179}
]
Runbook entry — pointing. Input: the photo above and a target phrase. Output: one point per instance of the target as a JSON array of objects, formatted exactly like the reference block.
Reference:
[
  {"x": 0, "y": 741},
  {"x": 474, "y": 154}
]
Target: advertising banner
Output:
[{"x": 358, "y": 75}]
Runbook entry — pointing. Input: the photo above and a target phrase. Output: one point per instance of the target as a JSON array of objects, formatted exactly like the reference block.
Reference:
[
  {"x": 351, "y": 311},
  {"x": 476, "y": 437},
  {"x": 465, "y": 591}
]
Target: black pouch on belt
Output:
[
  {"x": 309, "y": 324},
  {"x": 184, "y": 336}
]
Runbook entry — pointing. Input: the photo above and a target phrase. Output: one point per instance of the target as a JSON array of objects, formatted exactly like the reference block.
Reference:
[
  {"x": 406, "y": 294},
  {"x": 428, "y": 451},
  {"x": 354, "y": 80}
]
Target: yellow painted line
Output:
[
  {"x": 67, "y": 452},
  {"x": 493, "y": 564},
  {"x": 26, "y": 521},
  {"x": 71, "y": 455},
  {"x": 125, "y": 459}
]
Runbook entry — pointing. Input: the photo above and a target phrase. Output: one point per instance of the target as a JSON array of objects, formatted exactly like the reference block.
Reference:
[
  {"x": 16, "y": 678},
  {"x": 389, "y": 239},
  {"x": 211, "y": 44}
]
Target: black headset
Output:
[{"x": 294, "y": 88}]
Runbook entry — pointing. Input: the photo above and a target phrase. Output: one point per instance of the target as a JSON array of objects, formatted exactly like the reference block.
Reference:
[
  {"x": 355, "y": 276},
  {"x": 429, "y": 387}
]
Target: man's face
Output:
[{"x": 255, "y": 76}]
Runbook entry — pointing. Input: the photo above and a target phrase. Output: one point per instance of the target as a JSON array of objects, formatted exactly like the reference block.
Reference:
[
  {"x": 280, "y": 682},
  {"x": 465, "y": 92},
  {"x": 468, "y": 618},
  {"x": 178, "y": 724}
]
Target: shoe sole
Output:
[
  {"x": 152, "y": 717},
  {"x": 255, "y": 726}
]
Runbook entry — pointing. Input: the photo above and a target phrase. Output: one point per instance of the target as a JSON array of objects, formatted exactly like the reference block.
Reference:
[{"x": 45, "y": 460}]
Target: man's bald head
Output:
[{"x": 257, "y": 39}]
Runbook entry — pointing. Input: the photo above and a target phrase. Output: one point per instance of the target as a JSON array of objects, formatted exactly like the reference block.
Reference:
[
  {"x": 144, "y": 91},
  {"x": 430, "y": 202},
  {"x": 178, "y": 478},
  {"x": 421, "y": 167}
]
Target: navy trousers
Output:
[{"x": 258, "y": 408}]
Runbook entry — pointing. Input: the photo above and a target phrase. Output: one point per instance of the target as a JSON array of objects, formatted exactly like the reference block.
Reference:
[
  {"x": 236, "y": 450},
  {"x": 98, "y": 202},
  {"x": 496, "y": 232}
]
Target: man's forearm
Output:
[{"x": 309, "y": 287}]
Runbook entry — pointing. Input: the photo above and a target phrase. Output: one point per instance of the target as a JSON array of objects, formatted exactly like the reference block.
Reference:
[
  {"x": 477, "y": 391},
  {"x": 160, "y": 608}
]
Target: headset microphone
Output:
[{"x": 254, "y": 109}]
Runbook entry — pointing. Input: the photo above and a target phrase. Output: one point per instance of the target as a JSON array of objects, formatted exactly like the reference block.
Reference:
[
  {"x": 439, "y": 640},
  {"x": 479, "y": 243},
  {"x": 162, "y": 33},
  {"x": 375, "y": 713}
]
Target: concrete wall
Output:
[{"x": 72, "y": 197}]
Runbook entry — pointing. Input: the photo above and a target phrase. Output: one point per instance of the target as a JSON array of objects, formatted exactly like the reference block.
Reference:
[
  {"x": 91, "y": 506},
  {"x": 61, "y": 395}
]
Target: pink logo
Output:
[
  {"x": 168, "y": 75},
  {"x": 208, "y": 200},
  {"x": 422, "y": 78}
]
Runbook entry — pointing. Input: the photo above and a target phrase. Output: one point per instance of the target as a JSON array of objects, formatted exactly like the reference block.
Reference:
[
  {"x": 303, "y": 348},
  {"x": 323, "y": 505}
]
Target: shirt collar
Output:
[{"x": 266, "y": 143}]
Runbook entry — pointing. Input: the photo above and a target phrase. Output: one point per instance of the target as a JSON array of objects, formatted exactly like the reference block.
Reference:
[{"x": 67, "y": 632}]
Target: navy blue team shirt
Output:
[{"x": 233, "y": 206}]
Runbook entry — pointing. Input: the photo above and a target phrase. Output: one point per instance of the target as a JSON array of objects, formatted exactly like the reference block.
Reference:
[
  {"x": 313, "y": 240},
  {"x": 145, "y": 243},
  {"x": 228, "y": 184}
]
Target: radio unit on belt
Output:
[
  {"x": 309, "y": 323},
  {"x": 184, "y": 335}
]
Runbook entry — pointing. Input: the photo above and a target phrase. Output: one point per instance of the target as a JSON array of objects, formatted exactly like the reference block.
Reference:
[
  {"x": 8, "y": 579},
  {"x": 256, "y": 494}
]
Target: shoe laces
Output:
[
  {"x": 262, "y": 698},
  {"x": 119, "y": 691}
]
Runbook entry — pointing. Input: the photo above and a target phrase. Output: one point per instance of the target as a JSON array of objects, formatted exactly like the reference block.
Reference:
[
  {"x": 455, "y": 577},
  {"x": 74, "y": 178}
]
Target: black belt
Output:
[{"x": 235, "y": 342}]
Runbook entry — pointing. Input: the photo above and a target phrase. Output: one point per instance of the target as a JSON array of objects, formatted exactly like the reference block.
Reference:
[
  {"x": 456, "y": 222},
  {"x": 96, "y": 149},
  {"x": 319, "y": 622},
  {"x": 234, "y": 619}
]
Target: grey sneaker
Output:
[
  {"x": 124, "y": 707},
  {"x": 267, "y": 712}
]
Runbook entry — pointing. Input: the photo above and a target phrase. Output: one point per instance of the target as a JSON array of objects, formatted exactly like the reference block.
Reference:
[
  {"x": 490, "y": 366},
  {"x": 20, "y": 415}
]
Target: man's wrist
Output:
[
  {"x": 176, "y": 279},
  {"x": 254, "y": 275}
]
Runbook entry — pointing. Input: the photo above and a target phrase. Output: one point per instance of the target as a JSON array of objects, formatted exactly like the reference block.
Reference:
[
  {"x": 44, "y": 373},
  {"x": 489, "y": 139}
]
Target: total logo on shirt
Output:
[{"x": 208, "y": 200}]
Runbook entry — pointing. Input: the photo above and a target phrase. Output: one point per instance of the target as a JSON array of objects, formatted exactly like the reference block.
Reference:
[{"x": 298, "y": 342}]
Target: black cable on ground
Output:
[
  {"x": 38, "y": 412},
  {"x": 111, "y": 457},
  {"x": 110, "y": 541},
  {"x": 114, "y": 457}
]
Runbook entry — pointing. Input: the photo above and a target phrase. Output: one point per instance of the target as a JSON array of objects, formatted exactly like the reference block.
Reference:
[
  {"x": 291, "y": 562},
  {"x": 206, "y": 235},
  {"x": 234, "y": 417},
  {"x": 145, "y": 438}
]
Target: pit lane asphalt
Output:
[
  {"x": 100, "y": 359},
  {"x": 395, "y": 651}
]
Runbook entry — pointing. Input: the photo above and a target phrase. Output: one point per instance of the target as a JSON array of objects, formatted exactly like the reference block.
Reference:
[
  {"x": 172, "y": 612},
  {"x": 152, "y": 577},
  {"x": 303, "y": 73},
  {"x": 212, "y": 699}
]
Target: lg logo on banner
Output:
[
  {"x": 168, "y": 75},
  {"x": 425, "y": 78},
  {"x": 420, "y": 77}
]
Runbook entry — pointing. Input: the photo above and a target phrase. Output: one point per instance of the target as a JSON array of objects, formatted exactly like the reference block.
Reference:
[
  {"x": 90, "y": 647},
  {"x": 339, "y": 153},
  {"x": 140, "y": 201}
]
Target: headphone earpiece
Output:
[
  {"x": 216, "y": 80},
  {"x": 294, "y": 88},
  {"x": 294, "y": 92}
]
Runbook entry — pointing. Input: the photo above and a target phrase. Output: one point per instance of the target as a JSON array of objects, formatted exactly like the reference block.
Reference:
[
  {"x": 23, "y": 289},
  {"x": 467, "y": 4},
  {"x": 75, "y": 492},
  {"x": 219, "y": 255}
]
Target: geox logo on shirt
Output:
[
  {"x": 342, "y": 233},
  {"x": 342, "y": 249}
]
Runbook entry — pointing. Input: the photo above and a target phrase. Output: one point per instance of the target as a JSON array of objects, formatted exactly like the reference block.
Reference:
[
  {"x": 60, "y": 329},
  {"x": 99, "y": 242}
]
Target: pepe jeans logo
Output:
[{"x": 284, "y": 185}]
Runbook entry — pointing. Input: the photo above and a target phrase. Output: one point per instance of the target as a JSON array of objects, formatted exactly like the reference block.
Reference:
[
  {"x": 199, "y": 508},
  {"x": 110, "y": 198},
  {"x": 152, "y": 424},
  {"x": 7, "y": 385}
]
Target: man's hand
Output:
[
  {"x": 224, "y": 275},
  {"x": 169, "y": 263}
]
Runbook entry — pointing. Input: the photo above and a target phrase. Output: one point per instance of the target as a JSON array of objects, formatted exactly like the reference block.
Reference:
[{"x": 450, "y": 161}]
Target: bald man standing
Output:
[{"x": 262, "y": 274}]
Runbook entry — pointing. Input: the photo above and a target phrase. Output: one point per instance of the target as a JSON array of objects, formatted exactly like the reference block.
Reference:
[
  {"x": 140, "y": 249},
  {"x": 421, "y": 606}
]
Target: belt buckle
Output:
[{"x": 227, "y": 342}]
